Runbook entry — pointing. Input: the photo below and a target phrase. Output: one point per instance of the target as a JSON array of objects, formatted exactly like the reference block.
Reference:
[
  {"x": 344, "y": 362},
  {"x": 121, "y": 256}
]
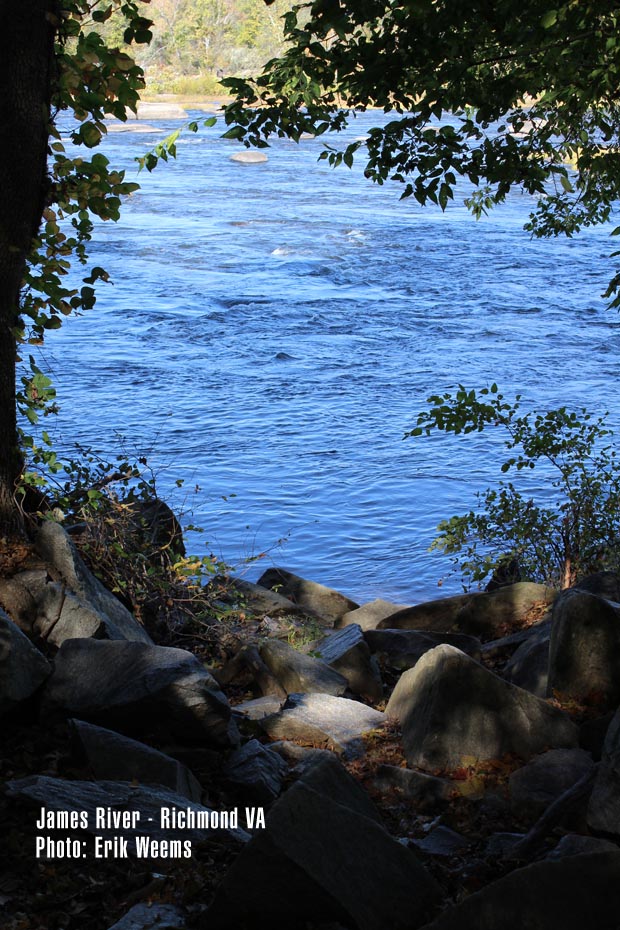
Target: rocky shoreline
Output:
[{"x": 450, "y": 764}]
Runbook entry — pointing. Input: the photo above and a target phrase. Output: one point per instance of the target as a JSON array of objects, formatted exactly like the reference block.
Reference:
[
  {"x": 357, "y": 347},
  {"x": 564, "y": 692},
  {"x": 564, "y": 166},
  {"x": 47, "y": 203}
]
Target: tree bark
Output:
[{"x": 26, "y": 76}]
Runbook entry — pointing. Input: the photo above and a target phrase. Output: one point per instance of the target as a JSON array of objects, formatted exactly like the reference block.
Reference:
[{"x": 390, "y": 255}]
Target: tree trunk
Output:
[{"x": 27, "y": 57}]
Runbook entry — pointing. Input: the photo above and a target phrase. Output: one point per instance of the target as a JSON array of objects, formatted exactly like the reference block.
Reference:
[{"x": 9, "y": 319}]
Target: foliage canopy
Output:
[{"x": 507, "y": 95}]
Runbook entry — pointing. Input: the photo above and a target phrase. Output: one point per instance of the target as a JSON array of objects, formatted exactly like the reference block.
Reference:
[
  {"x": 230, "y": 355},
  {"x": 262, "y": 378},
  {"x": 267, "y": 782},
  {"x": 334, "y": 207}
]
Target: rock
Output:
[
  {"x": 130, "y": 126},
  {"x": 574, "y": 844},
  {"x": 137, "y": 688},
  {"x": 61, "y": 615},
  {"x": 326, "y": 603},
  {"x": 150, "y": 804},
  {"x": 566, "y": 894},
  {"x": 443, "y": 842},
  {"x": 329, "y": 777},
  {"x": 604, "y": 807},
  {"x": 258, "y": 708},
  {"x": 438, "y": 616},
  {"x": 584, "y": 656},
  {"x": 506, "y": 645},
  {"x": 529, "y": 665},
  {"x": 319, "y": 860},
  {"x": 426, "y": 792},
  {"x": 453, "y": 712},
  {"x": 603, "y": 584},
  {"x": 157, "y": 528},
  {"x": 401, "y": 649},
  {"x": 347, "y": 652},
  {"x": 298, "y": 673},
  {"x": 256, "y": 773},
  {"x": 501, "y": 845},
  {"x": 152, "y": 916},
  {"x": 368, "y": 616},
  {"x": 19, "y": 594},
  {"x": 114, "y": 757},
  {"x": 23, "y": 669},
  {"x": 249, "y": 158},
  {"x": 58, "y": 550},
  {"x": 536, "y": 785},
  {"x": 592, "y": 734},
  {"x": 161, "y": 111},
  {"x": 255, "y": 599},
  {"x": 330, "y": 722},
  {"x": 485, "y": 613},
  {"x": 301, "y": 757}
]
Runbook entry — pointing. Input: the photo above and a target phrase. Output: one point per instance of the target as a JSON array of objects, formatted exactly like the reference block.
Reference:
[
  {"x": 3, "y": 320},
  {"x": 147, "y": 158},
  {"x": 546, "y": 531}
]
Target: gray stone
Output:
[
  {"x": 401, "y": 649},
  {"x": 298, "y": 673},
  {"x": 501, "y": 845},
  {"x": 347, "y": 652},
  {"x": 61, "y": 615},
  {"x": 536, "y": 785},
  {"x": 443, "y": 842},
  {"x": 604, "y": 584},
  {"x": 256, "y": 599},
  {"x": 326, "y": 603},
  {"x": 249, "y": 158},
  {"x": 258, "y": 707},
  {"x": 151, "y": 804},
  {"x": 487, "y": 612},
  {"x": 426, "y": 792},
  {"x": 439, "y": 616},
  {"x": 58, "y": 550},
  {"x": 369, "y": 615},
  {"x": 319, "y": 860},
  {"x": 152, "y": 916},
  {"x": 138, "y": 689},
  {"x": 300, "y": 757},
  {"x": 584, "y": 657},
  {"x": 455, "y": 712},
  {"x": 575, "y": 844},
  {"x": 571, "y": 893},
  {"x": 114, "y": 757},
  {"x": 256, "y": 773},
  {"x": 23, "y": 669},
  {"x": 18, "y": 597},
  {"x": 327, "y": 722},
  {"x": 529, "y": 665},
  {"x": 330, "y": 778}
]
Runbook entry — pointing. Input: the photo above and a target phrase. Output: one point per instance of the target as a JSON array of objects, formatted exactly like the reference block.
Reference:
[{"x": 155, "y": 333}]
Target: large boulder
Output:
[
  {"x": 64, "y": 561},
  {"x": 256, "y": 773},
  {"x": 487, "y": 613},
  {"x": 139, "y": 689},
  {"x": 535, "y": 786},
  {"x": 401, "y": 649},
  {"x": 347, "y": 652},
  {"x": 528, "y": 667},
  {"x": 320, "y": 859},
  {"x": 61, "y": 615},
  {"x": 584, "y": 655},
  {"x": 114, "y": 757},
  {"x": 455, "y": 712},
  {"x": 604, "y": 806},
  {"x": 439, "y": 616},
  {"x": 22, "y": 667},
  {"x": 326, "y": 603},
  {"x": 299, "y": 673},
  {"x": 570, "y": 893},
  {"x": 370, "y": 615},
  {"x": 324, "y": 721}
]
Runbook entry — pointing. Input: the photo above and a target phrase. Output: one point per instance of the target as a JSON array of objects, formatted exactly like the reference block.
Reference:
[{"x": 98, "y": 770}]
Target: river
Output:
[{"x": 274, "y": 329}]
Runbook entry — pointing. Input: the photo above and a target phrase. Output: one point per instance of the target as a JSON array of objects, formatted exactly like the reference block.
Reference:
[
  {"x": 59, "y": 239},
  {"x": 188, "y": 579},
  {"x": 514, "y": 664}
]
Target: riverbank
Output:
[{"x": 313, "y": 759}]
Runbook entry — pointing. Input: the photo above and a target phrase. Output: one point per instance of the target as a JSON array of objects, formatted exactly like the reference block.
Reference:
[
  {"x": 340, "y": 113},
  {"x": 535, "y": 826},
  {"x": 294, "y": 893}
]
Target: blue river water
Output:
[{"x": 273, "y": 330}]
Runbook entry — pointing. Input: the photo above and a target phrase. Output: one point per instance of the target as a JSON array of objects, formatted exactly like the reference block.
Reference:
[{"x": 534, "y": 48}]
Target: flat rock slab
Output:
[
  {"x": 401, "y": 649},
  {"x": 584, "y": 656},
  {"x": 536, "y": 785},
  {"x": 571, "y": 893},
  {"x": 55, "y": 545},
  {"x": 149, "y": 804},
  {"x": 258, "y": 708},
  {"x": 370, "y": 615},
  {"x": 455, "y": 712},
  {"x": 325, "y": 721},
  {"x": 23, "y": 669},
  {"x": 299, "y": 673},
  {"x": 319, "y": 860},
  {"x": 249, "y": 158},
  {"x": 326, "y": 603},
  {"x": 347, "y": 652},
  {"x": 137, "y": 688},
  {"x": 442, "y": 842},
  {"x": 114, "y": 757},
  {"x": 152, "y": 916}
]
